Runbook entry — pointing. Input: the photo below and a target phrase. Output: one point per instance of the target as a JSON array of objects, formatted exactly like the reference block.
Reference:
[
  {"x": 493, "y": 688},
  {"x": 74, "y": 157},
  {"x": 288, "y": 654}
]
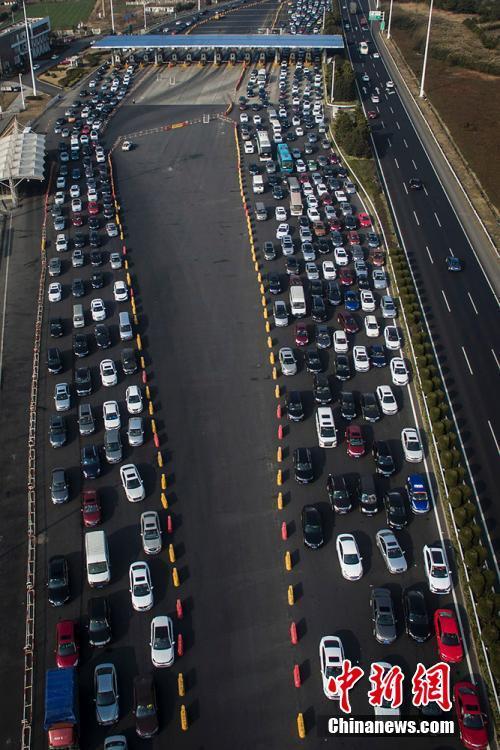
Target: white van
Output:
[
  {"x": 78, "y": 316},
  {"x": 325, "y": 427},
  {"x": 257, "y": 183},
  {"x": 97, "y": 558},
  {"x": 125, "y": 327},
  {"x": 297, "y": 301}
]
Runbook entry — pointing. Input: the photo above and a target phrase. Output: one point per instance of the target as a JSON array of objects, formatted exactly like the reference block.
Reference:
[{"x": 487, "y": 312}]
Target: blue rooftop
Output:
[{"x": 221, "y": 41}]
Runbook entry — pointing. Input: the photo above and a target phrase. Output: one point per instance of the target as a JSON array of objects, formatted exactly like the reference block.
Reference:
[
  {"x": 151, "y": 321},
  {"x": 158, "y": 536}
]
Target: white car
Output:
[
  {"x": 287, "y": 360},
  {"x": 132, "y": 483},
  {"x": 55, "y": 292},
  {"x": 111, "y": 415},
  {"x": 313, "y": 214},
  {"x": 391, "y": 551},
  {"x": 389, "y": 84},
  {"x": 350, "y": 560},
  {"x": 126, "y": 146},
  {"x": 133, "y": 398},
  {"x": 387, "y": 400},
  {"x": 331, "y": 659},
  {"x": 329, "y": 270},
  {"x": 248, "y": 147},
  {"x": 412, "y": 447},
  {"x": 308, "y": 191},
  {"x": 372, "y": 329},
  {"x": 151, "y": 532},
  {"x": 141, "y": 588},
  {"x": 399, "y": 371},
  {"x": 312, "y": 271},
  {"x": 300, "y": 166},
  {"x": 61, "y": 243},
  {"x": 340, "y": 342},
  {"x": 312, "y": 201},
  {"x": 295, "y": 121},
  {"x": 341, "y": 257},
  {"x": 162, "y": 641},
  {"x": 243, "y": 117},
  {"x": 392, "y": 339},
  {"x": 321, "y": 189},
  {"x": 100, "y": 157},
  {"x": 115, "y": 261},
  {"x": 340, "y": 196},
  {"x": 330, "y": 213},
  {"x": 111, "y": 229},
  {"x": 299, "y": 130},
  {"x": 283, "y": 230},
  {"x": 257, "y": 119},
  {"x": 361, "y": 359},
  {"x": 98, "y": 310},
  {"x": 385, "y": 709},
  {"x": 120, "y": 291},
  {"x": 277, "y": 137},
  {"x": 76, "y": 205},
  {"x": 59, "y": 198},
  {"x": 367, "y": 300},
  {"x": 350, "y": 188},
  {"x": 436, "y": 570},
  {"x": 108, "y": 373},
  {"x": 280, "y": 213},
  {"x": 92, "y": 195},
  {"x": 74, "y": 191},
  {"x": 375, "y": 98}
]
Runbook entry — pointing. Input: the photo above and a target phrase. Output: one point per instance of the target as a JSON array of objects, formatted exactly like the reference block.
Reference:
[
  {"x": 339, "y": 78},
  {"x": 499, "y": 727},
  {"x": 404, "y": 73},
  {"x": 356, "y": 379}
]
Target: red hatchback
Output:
[
  {"x": 355, "y": 442},
  {"x": 67, "y": 651},
  {"x": 91, "y": 508},
  {"x": 372, "y": 115},
  {"x": 336, "y": 225},
  {"x": 93, "y": 208},
  {"x": 345, "y": 276},
  {"x": 353, "y": 238},
  {"x": 347, "y": 322},
  {"x": 377, "y": 257},
  {"x": 450, "y": 647},
  {"x": 301, "y": 334},
  {"x": 471, "y": 720},
  {"x": 77, "y": 220},
  {"x": 364, "y": 220}
]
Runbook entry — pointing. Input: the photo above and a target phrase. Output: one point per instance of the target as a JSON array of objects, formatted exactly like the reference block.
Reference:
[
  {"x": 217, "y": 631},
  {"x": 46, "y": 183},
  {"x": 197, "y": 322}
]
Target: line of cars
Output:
[
  {"x": 83, "y": 200},
  {"x": 354, "y": 282}
]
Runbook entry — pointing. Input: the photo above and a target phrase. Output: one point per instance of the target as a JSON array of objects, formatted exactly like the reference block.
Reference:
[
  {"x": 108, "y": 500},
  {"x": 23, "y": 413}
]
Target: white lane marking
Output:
[
  {"x": 396, "y": 163},
  {"x": 392, "y": 111},
  {"x": 496, "y": 358},
  {"x": 472, "y": 303},
  {"x": 445, "y": 300},
  {"x": 429, "y": 254},
  {"x": 437, "y": 218},
  {"x": 389, "y": 141},
  {"x": 425, "y": 190},
  {"x": 404, "y": 185},
  {"x": 398, "y": 125},
  {"x": 467, "y": 360},
  {"x": 404, "y": 141},
  {"x": 414, "y": 165},
  {"x": 494, "y": 436},
  {"x": 383, "y": 124},
  {"x": 451, "y": 252},
  {"x": 416, "y": 218},
  {"x": 4, "y": 305}
]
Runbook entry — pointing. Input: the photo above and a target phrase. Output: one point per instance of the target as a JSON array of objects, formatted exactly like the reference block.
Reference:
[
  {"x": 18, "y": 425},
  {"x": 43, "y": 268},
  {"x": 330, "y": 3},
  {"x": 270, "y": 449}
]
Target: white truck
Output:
[
  {"x": 257, "y": 183},
  {"x": 298, "y": 301}
]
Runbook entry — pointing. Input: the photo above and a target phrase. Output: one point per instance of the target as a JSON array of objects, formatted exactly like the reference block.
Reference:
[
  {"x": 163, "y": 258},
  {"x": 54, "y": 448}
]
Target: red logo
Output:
[
  {"x": 387, "y": 686},
  {"x": 344, "y": 683},
  {"x": 432, "y": 684}
]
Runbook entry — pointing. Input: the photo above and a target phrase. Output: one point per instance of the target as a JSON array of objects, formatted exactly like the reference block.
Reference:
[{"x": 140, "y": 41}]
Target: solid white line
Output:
[
  {"x": 4, "y": 305},
  {"x": 398, "y": 125},
  {"x": 429, "y": 254},
  {"x": 472, "y": 303},
  {"x": 416, "y": 218},
  {"x": 404, "y": 185},
  {"x": 445, "y": 300},
  {"x": 404, "y": 141},
  {"x": 437, "y": 218},
  {"x": 414, "y": 165},
  {"x": 496, "y": 358},
  {"x": 467, "y": 360},
  {"x": 494, "y": 436},
  {"x": 396, "y": 163},
  {"x": 389, "y": 141}
]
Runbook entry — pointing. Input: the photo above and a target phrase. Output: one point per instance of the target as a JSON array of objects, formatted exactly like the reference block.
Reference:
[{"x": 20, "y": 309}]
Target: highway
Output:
[{"x": 461, "y": 308}]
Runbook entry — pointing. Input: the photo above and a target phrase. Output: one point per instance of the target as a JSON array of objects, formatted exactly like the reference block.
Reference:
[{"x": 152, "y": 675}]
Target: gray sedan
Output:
[
  {"x": 391, "y": 551},
  {"x": 384, "y": 621}
]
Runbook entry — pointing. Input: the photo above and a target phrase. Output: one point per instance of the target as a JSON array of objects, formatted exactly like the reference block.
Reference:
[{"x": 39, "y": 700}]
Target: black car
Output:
[
  {"x": 254, "y": 169},
  {"x": 83, "y": 381},
  {"x": 90, "y": 462},
  {"x": 342, "y": 367},
  {"x": 416, "y": 616},
  {"x": 312, "y": 527},
  {"x": 99, "y": 622},
  {"x": 316, "y": 288},
  {"x": 333, "y": 293},
  {"x": 93, "y": 223},
  {"x": 322, "y": 336},
  {"x": 369, "y": 407},
  {"x": 129, "y": 361},
  {"x": 294, "y": 406},
  {"x": 97, "y": 280},
  {"x": 76, "y": 173},
  {"x": 274, "y": 283},
  {"x": 77, "y": 288},
  {"x": 80, "y": 345},
  {"x": 318, "y": 309},
  {"x": 54, "y": 360},
  {"x": 79, "y": 240},
  {"x": 324, "y": 246},
  {"x": 145, "y": 708},
  {"x": 395, "y": 510},
  {"x": 102, "y": 336},
  {"x": 269, "y": 251},
  {"x": 382, "y": 455},
  {"x": 338, "y": 493},
  {"x": 58, "y": 432},
  {"x": 94, "y": 239},
  {"x": 56, "y": 328},
  {"x": 350, "y": 223},
  {"x": 96, "y": 258},
  {"x": 292, "y": 266},
  {"x": 273, "y": 179},
  {"x": 58, "y": 581},
  {"x": 347, "y": 405},
  {"x": 312, "y": 361},
  {"x": 321, "y": 389},
  {"x": 415, "y": 183},
  {"x": 363, "y": 282},
  {"x": 302, "y": 464},
  {"x": 108, "y": 212},
  {"x": 278, "y": 192},
  {"x": 377, "y": 356}
]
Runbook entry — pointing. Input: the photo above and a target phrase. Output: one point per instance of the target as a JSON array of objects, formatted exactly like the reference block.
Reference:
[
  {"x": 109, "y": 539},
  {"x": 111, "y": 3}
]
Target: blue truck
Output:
[{"x": 61, "y": 709}]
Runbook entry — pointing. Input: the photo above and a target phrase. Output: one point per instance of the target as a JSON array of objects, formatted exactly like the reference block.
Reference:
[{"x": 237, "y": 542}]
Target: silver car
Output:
[
  {"x": 62, "y": 397},
  {"x": 388, "y": 307},
  {"x": 135, "y": 432},
  {"x": 54, "y": 267},
  {"x": 287, "y": 360},
  {"x": 113, "y": 446},
  {"x": 390, "y": 550},
  {"x": 116, "y": 742},
  {"x": 151, "y": 532},
  {"x": 384, "y": 621},
  {"x": 86, "y": 424},
  {"x": 106, "y": 694},
  {"x": 379, "y": 278}
]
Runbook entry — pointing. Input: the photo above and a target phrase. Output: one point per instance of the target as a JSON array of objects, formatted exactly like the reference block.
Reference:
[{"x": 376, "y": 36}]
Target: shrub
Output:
[
  {"x": 460, "y": 517},
  {"x": 435, "y": 414},
  {"x": 484, "y": 608},
  {"x": 425, "y": 375},
  {"x": 490, "y": 634},
  {"x": 477, "y": 583},
  {"x": 470, "y": 558},
  {"x": 466, "y": 491},
  {"x": 438, "y": 428},
  {"x": 489, "y": 578},
  {"x": 482, "y": 555},
  {"x": 451, "y": 478},
  {"x": 495, "y": 657},
  {"x": 470, "y": 510},
  {"x": 427, "y": 387},
  {"x": 443, "y": 444},
  {"x": 446, "y": 460},
  {"x": 465, "y": 535},
  {"x": 455, "y": 497}
]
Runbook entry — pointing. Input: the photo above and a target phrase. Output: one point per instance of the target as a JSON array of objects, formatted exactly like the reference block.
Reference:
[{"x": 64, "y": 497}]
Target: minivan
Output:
[
  {"x": 97, "y": 558},
  {"x": 125, "y": 326},
  {"x": 78, "y": 316}
]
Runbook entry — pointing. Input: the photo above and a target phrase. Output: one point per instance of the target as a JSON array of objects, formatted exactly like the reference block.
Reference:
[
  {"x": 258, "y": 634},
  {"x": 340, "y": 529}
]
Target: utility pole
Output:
[
  {"x": 333, "y": 79},
  {"x": 145, "y": 21},
  {"x": 28, "y": 42},
  {"x": 389, "y": 24},
  {"x": 426, "y": 51},
  {"x": 112, "y": 16}
]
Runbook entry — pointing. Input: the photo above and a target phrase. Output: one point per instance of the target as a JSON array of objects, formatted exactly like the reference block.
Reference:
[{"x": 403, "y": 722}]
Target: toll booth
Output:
[
  {"x": 173, "y": 57},
  {"x": 247, "y": 57},
  {"x": 232, "y": 57},
  {"x": 292, "y": 58},
  {"x": 262, "y": 58},
  {"x": 203, "y": 58},
  {"x": 189, "y": 58},
  {"x": 218, "y": 58}
]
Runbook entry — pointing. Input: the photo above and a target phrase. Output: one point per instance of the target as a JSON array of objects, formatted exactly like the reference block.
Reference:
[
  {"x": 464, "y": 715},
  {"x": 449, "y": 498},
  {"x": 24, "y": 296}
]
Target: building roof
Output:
[
  {"x": 22, "y": 156},
  {"x": 221, "y": 41}
]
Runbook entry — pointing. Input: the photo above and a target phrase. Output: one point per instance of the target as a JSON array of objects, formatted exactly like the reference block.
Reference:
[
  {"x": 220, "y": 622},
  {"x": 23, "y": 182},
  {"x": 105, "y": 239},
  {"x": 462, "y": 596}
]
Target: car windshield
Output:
[
  {"x": 107, "y": 698},
  {"x": 439, "y": 571},
  {"x": 351, "y": 559},
  {"x": 393, "y": 553},
  {"x": 162, "y": 638},
  {"x": 141, "y": 589},
  {"x": 67, "y": 649},
  {"x": 473, "y": 721},
  {"x": 450, "y": 639},
  {"x": 385, "y": 619},
  {"x": 133, "y": 483},
  {"x": 145, "y": 710},
  {"x": 150, "y": 533},
  {"x": 356, "y": 441},
  {"x": 333, "y": 671},
  {"x": 97, "y": 568},
  {"x": 91, "y": 507}
]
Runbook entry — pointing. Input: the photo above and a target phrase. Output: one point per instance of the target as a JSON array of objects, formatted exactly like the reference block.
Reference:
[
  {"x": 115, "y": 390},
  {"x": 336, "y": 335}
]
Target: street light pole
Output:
[
  {"x": 333, "y": 79},
  {"x": 112, "y": 16},
  {"x": 389, "y": 23},
  {"x": 22, "y": 91},
  {"x": 28, "y": 42},
  {"x": 145, "y": 22},
  {"x": 421, "y": 94}
]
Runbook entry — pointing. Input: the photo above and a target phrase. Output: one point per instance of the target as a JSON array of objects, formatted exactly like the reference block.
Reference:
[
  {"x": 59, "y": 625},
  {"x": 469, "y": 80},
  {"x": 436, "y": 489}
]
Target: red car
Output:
[
  {"x": 91, "y": 508},
  {"x": 450, "y": 647},
  {"x": 372, "y": 115},
  {"x": 353, "y": 238},
  {"x": 347, "y": 322},
  {"x": 77, "y": 220},
  {"x": 364, "y": 220},
  {"x": 301, "y": 334},
  {"x": 355, "y": 441},
  {"x": 67, "y": 651},
  {"x": 345, "y": 276},
  {"x": 336, "y": 225},
  {"x": 377, "y": 257},
  {"x": 334, "y": 159},
  {"x": 85, "y": 130},
  {"x": 327, "y": 200},
  {"x": 93, "y": 208},
  {"x": 471, "y": 720},
  {"x": 304, "y": 179},
  {"x": 319, "y": 228}
]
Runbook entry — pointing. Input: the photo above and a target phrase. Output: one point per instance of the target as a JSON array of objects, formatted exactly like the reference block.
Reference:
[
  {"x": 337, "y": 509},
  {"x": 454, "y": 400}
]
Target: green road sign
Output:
[
  {"x": 375, "y": 15},
  {"x": 382, "y": 26}
]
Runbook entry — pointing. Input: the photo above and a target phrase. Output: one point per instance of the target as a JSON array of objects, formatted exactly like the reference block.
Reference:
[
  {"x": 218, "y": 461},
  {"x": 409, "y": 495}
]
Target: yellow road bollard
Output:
[
  {"x": 279, "y": 478},
  {"x": 279, "y": 454},
  {"x": 291, "y": 596},
  {"x": 139, "y": 342},
  {"x": 301, "y": 727},
  {"x": 122, "y": 236},
  {"x": 151, "y": 409},
  {"x": 132, "y": 305},
  {"x": 180, "y": 685},
  {"x": 261, "y": 288},
  {"x": 275, "y": 373},
  {"x": 259, "y": 277},
  {"x": 148, "y": 392},
  {"x": 159, "y": 458},
  {"x": 263, "y": 301},
  {"x": 277, "y": 391},
  {"x": 125, "y": 264},
  {"x": 143, "y": 363},
  {"x": 136, "y": 320},
  {"x": 184, "y": 720},
  {"x": 280, "y": 501},
  {"x": 271, "y": 357},
  {"x": 129, "y": 280},
  {"x": 175, "y": 578},
  {"x": 164, "y": 481},
  {"x": 171, "y": 553},
  {"x": 164, "y": 501},
  {"x": 153, "y": 427},
  {"x": 269, "y": 342},
  {"x": 288, "y": 560},
  {"x": 268, "y": 326},
  {"x": 256, "y": 266},
  {"x": 265, "y": 314}
]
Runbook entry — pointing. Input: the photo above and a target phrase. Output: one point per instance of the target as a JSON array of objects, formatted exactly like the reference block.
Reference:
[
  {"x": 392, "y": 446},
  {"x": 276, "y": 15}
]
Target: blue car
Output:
[
  {"x": 418, "y": 494},
  {"x": 453, "y": 263},
  {"x": 351, "y": 301},
  {"x": 377, "y": 355}
]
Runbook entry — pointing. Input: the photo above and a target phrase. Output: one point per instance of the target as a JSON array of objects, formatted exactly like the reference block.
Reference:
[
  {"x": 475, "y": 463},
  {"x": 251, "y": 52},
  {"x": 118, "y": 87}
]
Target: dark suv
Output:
[
  {"x": 145, "y": 708},
  {"x": 99, "y": 626}
]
